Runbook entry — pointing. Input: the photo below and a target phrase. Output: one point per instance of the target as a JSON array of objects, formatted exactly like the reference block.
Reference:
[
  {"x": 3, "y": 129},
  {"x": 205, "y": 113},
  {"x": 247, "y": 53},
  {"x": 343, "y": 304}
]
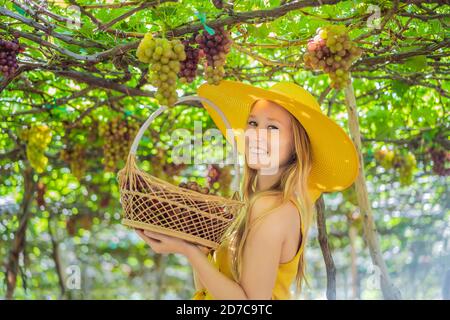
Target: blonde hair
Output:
[{"x": 294, "y": 177}]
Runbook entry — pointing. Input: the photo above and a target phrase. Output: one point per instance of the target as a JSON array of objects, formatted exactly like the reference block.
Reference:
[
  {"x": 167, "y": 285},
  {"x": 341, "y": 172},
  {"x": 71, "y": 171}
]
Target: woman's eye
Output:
[
  {"x": 252, "y": 123},
  {"x": 273, "y": 127}
]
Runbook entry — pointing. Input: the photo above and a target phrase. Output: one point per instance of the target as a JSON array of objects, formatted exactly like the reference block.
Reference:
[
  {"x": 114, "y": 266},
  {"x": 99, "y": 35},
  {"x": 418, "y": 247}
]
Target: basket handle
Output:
[{"x": 137, "y": 139}]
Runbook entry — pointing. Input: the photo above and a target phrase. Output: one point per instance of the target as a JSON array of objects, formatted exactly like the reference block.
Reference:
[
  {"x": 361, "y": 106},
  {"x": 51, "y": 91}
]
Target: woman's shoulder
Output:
[{"x": 282, "y": 215}]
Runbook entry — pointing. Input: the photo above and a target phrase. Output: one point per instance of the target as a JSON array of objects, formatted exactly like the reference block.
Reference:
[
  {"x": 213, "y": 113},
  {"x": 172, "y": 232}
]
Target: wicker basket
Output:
[{"x": 156, "y": 205}]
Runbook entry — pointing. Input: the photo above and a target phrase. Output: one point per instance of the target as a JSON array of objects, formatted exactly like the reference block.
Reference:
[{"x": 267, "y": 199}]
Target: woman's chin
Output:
[
  {"x": 259, "y": 166},
  {"x": 254, "y": 166},
  {"x": 258, "y": 162}
]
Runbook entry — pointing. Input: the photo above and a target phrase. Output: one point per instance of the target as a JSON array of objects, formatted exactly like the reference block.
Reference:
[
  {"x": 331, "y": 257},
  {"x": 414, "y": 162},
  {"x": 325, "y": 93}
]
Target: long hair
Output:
[{"x": 294, "y": 177}]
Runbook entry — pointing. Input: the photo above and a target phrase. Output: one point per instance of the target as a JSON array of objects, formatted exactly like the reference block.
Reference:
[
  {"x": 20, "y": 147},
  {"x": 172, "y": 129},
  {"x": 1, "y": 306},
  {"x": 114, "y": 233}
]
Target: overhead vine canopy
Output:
[{"x": 78, "y": 71}]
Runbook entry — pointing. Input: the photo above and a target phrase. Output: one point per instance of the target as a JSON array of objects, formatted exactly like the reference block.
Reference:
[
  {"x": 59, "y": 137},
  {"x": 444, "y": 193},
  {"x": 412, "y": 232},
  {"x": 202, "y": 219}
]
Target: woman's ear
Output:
[{"x": 293, "y": 157}]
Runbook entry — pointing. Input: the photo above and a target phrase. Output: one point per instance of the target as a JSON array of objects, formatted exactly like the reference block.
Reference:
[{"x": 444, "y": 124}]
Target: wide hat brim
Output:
[{"x": 335, "y": 160}]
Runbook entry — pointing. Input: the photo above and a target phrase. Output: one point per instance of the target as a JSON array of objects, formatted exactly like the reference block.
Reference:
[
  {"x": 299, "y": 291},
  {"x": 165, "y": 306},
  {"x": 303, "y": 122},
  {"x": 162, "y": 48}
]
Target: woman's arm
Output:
[
  {"x": 261, "y": 256},
  {"x": 198, "y": 284},
  {"x": 261, "y": 259}
]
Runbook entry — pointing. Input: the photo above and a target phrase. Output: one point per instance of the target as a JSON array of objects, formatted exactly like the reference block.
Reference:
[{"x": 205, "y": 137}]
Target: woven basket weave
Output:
[{"x": 153, "y": 204}]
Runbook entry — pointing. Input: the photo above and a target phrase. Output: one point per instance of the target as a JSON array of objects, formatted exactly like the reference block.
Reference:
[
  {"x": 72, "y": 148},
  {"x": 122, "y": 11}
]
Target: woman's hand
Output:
[
  {"x": 161, "y": 243},
  {"x": 204, "y": 249}
]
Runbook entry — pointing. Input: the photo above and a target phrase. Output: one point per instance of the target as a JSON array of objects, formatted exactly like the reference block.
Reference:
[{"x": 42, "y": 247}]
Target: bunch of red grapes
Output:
[
  {"x": 189, "y": 65},
  {"x": 8, "y": 56},
  {"x": 333, "y": 52},
  {"x": 218, "y": 4},
  {"x": 216, "y": 47},
  {"x": 118, "y": 134},
  {"x": 192, "y": 185},
  {"x": 440, "y": 158},
  {"x": 40, "y": 194},
  {"x": 213, "y": 174}
]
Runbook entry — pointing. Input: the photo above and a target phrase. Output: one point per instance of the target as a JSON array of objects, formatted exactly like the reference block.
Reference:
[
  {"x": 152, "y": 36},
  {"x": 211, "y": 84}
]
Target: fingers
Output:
[
  {"x": 154, "y": 244},
  {"x": 150, "y": 234},
  {"x": 141, "y": 234},
  {"x": 155, "y": 235},
  {"x": 203, "y": 248},
  {"x": 162, "y": 243},
  {"x": 157, "y": 241}
]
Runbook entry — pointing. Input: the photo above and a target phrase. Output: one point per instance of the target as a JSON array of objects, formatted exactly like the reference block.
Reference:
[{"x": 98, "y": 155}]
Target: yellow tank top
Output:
[{"x": 285, "y": 275}]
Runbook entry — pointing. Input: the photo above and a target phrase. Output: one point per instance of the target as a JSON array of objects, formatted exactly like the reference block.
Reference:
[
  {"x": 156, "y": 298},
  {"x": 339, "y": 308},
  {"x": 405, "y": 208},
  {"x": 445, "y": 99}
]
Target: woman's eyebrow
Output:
[
  {"x": 270, "y": 119},
  {"x": 274, "y": 120}
]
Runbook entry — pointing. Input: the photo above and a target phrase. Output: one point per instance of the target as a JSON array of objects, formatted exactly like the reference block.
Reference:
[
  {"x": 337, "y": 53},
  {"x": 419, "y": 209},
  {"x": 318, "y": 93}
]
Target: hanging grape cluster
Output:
[
  {"x": 224, "y": 181},
  {"x": 213, "y": 174},
  {"x": 216, "y": 47},
  {"x": 172, "y": 169},
  {"x": 164, "y": 57},
  {"x": 117, "y": 134},
  {"x": 189, "y": 65},
  {"x": 384, "y": 158},
  {"x": 76, "y": 158},
  {"x": 404, "y": 163},
  {"x": 218, "y": 4},
  {"x": 333, "y": 52},
  {"x": 8, "y": 56},
  {"x": 192, "y": 185},
  {"x": 37, "y": 139},
  {"x": 78, "y": 221},
  {"x": 40, "y": 194},
  {"x": 440, "y": 158}
]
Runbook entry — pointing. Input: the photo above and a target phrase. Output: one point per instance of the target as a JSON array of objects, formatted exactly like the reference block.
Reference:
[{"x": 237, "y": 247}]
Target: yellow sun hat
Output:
[{"x": 335, "y": 159}]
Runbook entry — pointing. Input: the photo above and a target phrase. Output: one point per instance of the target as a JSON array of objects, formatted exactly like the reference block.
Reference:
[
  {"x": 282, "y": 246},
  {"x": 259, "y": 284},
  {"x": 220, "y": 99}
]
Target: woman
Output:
[{"x": 262, "y": 253}]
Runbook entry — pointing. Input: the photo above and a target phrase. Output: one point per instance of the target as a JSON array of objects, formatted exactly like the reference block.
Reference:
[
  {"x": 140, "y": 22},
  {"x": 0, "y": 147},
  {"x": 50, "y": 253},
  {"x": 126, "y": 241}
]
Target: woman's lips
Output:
[{"x": 257, "y": 151}]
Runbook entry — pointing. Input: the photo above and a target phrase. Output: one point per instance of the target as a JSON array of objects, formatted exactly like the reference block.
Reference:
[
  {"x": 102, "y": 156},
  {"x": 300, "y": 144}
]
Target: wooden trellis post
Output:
[
  {"x": 325, "y": 247},
  {"x": 388, "y": 288},
  {"x": 18, "y": 242}
]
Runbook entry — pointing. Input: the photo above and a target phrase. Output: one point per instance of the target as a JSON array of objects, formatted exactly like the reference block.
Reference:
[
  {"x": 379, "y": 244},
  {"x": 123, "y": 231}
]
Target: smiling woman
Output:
[{"x": 262, "y": 252}]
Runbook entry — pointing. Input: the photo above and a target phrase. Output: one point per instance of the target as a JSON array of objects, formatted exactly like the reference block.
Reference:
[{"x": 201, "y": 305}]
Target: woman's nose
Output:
[{"x": 261, "y": 138}]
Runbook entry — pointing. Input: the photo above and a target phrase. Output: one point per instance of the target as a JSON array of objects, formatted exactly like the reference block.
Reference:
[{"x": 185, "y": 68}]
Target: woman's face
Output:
[{"x": 269, "y": 138}]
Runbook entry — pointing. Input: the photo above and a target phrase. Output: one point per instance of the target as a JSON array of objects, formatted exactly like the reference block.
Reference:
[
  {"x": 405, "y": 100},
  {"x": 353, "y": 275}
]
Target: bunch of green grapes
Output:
[
  {"x": 333, "y": 52},
  {"x": 213, "y": 75},
  {"x": 118, "y": 135},
  {"x": 76, "y": 158},
  {"x": 37, "y": 139},
  {"x": 164, "y": 57},
  {"x": 406, "y": 169},
  {"x": 404, "y": 163},
  {"x": 384, "y": 158}
]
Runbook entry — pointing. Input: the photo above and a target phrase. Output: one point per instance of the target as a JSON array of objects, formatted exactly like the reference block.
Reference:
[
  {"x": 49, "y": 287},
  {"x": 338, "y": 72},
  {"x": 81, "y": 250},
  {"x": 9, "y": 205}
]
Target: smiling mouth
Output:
[{"x": 257, "y": 151}]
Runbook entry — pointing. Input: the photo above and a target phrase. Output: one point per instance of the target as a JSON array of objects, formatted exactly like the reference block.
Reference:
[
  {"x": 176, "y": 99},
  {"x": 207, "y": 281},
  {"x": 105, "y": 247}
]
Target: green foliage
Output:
[{"x": 401, "y": 86}]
